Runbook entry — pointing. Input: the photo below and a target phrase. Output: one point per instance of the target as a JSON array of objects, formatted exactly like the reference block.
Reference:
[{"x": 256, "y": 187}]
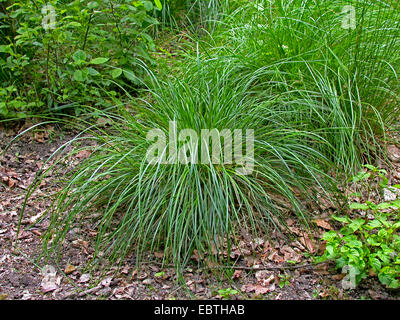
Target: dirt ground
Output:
[{"x": 261, "y": 271}]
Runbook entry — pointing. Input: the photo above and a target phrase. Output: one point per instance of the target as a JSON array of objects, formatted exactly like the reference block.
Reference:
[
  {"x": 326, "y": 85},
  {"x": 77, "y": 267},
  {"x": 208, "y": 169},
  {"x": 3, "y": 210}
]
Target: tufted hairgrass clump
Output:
[{"x": 180, "y": 208}]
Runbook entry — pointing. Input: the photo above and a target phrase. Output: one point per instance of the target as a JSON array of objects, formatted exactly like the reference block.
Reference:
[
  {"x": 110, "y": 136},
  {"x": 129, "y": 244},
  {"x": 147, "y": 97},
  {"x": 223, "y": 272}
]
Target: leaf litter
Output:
[{"x": 252, "y": 257}]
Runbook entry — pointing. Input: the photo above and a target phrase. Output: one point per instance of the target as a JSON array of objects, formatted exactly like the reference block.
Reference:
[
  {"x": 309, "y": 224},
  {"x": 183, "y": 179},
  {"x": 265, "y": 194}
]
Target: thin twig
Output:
[
  {"x": 307, "y": 265},
  {"x": 87, "y": 32}
]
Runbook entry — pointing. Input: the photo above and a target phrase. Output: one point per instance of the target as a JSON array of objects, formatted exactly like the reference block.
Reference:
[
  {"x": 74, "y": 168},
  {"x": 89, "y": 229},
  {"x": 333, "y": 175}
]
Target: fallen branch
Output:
[{"x": 265, "y": 267}]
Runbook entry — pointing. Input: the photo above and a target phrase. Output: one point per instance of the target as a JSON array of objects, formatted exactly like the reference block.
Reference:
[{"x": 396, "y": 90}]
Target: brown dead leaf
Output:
[
  {"x": 23, "y": 235},
  {"x": 79, "y": 243},
  {"x": 210, "y": 263},
  {"x": 257, "y": 289},
  {"x": 39, "y": 137},
  {"x": 296, "y": 230},
  {"x": 69, "y": 269},
  {"x": 263, "y": 274},
  {"x": 102, "y": 121},
  {"x": 49, "y": 281},
  {"x": 195, "y": 255},
  {"x": 84, "y": 278},
  {"x": 106, "y": 282},
  {"x": 125, "y": 270},
  {"x": 142, "y": 275},
  {"x": 307, "y": 243},
  {"x": 235, "y": 254},
  {"x": 338, "y": 277},
  {"x": 92, "y": 233},
  {"x": 37, "y": 232},
  {"x": 257, "y": 242},
  {"x": 237, "y": 274},
  {"x": 290, "y": 254},
  {"x": 322, "y": 269},
  {"x": 11, "y": 182},
  {"x": 325, "y": 293},
  {"x": 275, "y": 257},
  {"x": 323, "y": 224},
  {"x": 290, "y": 222},
  {"x": 3, "y": 296},
  {"x": 83, "y": 154},
  {"x": 267, "y": 280},
  {"x": 250, "y": 261},
  {"x": 393, "y": 153},
  {"x": 154, "y": 268},
  {"x": 321, "y": 248},
  {"x": 372, "y": 273}
]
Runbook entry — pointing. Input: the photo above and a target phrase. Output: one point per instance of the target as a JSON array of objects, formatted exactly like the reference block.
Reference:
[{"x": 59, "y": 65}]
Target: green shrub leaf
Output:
[
  {"x": 116, "y": 73},
  {"x": 98, "y": 60}
]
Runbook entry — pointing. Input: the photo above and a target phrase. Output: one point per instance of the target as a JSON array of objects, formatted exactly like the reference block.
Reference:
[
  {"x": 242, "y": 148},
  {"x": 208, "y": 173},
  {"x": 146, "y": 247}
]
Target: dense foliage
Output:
[
  {"x": 369, "y": 241},
  {"x": 85, "y": 57},
  {"x": 317, "y": 88},
  {"x": 308, "y": 52}
]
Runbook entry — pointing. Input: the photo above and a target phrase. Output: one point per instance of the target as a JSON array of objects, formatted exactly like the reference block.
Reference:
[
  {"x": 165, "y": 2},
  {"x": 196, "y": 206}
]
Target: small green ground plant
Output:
[
  {"x": 227, "y": 293},
  {"x": 368, "y": 242}
]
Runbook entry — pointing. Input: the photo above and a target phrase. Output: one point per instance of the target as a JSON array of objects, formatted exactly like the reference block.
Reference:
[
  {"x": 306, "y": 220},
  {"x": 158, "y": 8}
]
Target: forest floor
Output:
[{"x": 261, "y": 270}]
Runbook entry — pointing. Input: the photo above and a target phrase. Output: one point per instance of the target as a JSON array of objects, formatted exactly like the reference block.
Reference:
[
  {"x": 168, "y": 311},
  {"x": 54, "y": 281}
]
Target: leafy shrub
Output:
[
  {"x": 93, "y": 50},
  {"x": 368, "y": 243}
]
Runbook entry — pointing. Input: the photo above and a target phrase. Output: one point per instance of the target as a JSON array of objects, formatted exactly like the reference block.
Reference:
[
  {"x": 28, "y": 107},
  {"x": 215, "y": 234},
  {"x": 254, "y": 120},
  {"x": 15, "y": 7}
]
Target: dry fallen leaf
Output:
[
  {"x": 48, "y": 285},
  {"x": 11, "y": 182},
  {"x": 290, "y": 222},
  {"x": 125, "y": 270},
  {"x": 305, "y": 241},
  {"x": 3, "y": 296},
  {"x": 257, "y": 289},
  {"x": 262, "y": 275},
  {"x": 325, "y": 293},
  {"x": 250, "y": 261},
  {"x": 393, "y": 153},
  {"x": 237, "y": 274},
  {"x": 134, "y": 272},
  {"x": 322, "y": 269},
  {"x": 321, "y": 248},
  {"x": 266, "y": 282},
  {"x": 39, "y": 137},
  {"x": 69, "y": 269},
  {"x": 159, "y": 255},
  {"x": 102, "y": 121},
  {"x": 49, "y": 281},
  {"x": 338, "y": 277},
  {"x": 83, "y": 154},
  {"x": 323, "y": 224},
  {"x": 148, "y": 281},
  {"x": 235, "y": 254},
  {"x": 106, "y": 282},
  {"x": 290, "y": 254},
  {"x": 84, "y": 278},
  {"x": 275, "y": 257}
]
